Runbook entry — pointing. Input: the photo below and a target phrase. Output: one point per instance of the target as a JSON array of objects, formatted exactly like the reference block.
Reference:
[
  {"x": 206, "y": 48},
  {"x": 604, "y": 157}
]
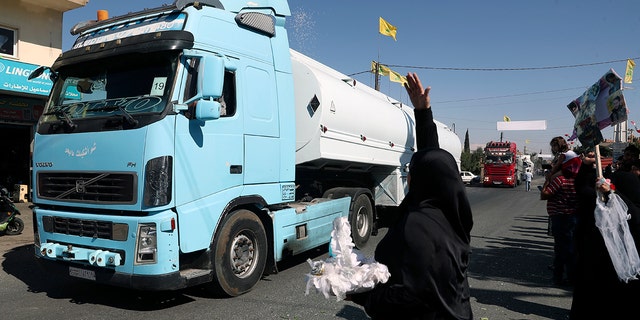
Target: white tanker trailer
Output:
[
  {"x": 347, "y": 122},
  {"x": 350, "y": 135}
]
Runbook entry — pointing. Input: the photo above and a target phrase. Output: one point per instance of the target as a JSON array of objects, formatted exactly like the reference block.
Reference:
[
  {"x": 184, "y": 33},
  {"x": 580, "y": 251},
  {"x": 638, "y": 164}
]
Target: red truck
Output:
[{"x": 500, "y": 164}]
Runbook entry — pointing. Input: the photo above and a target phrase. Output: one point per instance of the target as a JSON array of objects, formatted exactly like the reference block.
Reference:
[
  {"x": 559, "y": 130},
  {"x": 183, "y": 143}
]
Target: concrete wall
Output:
[{"x": 39, "y": 28}]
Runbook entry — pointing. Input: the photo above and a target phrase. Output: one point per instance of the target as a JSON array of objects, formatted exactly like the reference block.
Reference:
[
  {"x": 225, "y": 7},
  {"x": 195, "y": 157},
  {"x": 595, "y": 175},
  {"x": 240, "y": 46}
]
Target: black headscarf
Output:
[{"x": 435, "y": 182}]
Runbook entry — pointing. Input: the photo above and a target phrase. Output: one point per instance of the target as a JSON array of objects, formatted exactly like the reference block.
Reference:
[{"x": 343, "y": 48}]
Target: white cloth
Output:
[
  {"x": 347, "y": 270},
  {"x": 611, "y": 219}
]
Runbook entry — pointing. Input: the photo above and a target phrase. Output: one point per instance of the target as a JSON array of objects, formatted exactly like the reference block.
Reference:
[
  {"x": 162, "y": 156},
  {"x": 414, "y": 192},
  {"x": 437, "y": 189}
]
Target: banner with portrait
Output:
[{"x": 602, "y": 105}]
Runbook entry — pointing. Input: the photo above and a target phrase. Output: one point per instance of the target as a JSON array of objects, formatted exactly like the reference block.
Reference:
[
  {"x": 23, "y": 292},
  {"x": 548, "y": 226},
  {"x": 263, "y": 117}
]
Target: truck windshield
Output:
[
  {"x": 123, "y": 87},
  {"x": 499, "y": 159}
]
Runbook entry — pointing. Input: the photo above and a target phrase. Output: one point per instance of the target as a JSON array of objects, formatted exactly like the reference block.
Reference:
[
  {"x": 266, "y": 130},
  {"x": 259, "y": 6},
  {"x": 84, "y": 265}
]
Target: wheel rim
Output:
[
  {"x": 243, "y": 255},
  {"x": 362, "y": 223}
]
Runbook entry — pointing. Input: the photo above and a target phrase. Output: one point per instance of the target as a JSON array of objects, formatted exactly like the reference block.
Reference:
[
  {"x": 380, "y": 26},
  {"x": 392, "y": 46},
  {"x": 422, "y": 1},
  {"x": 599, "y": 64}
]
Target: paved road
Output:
[{"x": 509, "y": 278}]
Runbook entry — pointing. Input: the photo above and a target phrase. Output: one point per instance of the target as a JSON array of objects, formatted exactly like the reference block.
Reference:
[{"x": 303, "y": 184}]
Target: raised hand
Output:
[{"x": 418, "y": 95}]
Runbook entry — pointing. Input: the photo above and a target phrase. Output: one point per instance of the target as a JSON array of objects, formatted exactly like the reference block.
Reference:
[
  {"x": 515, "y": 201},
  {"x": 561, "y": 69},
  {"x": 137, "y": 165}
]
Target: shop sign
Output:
[{"x": 14, "y": 76}]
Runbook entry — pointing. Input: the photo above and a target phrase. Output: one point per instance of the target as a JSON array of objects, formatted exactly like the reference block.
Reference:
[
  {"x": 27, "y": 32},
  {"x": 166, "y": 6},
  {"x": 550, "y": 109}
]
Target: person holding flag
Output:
[{"x": 598, "y": 292}]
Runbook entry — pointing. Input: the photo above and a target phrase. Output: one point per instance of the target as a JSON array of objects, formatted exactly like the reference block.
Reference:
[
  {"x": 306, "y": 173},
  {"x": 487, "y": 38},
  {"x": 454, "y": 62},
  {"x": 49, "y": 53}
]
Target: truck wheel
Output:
[
  {"x": 15, "y": 227},
  {"x": 361, "y": 220},
  {"x": 239, "y": 253}
]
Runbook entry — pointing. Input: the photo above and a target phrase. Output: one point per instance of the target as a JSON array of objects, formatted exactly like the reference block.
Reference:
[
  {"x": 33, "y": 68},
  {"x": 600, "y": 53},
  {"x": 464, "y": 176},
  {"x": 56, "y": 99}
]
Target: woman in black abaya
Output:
[
  {"x": 598, "y": 293},
  {"x": 427, "y": 248}
]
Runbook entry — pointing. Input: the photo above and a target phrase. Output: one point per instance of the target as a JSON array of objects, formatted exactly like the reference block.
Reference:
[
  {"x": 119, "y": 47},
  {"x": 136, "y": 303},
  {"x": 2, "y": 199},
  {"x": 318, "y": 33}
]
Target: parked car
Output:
[{"x": 467, "y": 176}]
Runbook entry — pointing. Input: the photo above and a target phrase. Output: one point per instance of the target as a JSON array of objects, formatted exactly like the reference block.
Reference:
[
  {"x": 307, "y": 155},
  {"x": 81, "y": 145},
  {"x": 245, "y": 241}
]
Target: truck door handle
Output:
[{"x": 235, "y": 169}]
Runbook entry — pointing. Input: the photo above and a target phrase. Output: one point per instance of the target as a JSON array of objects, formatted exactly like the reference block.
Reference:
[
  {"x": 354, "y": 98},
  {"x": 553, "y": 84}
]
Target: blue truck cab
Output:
[{"x": 152, "y": 170}]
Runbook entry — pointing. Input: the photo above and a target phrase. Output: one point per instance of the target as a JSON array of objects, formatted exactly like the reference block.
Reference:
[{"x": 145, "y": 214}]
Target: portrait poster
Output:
[{"x": 600, "y": 106}]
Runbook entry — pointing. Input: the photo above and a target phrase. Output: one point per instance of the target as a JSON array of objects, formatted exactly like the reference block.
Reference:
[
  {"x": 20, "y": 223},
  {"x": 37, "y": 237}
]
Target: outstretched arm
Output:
[
  {"x": 426, "y": 130},
  {"x": 418, "y": 95}
]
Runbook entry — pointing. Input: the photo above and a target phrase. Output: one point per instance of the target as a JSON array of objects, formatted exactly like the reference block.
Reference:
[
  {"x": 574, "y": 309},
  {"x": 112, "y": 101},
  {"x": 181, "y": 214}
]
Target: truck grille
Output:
[
  {"x": 86, "y": 228},
  {"x": 499, "y": 171},
  {"x": 79, "y": 227},
  {"x": 88, "y": 187}
]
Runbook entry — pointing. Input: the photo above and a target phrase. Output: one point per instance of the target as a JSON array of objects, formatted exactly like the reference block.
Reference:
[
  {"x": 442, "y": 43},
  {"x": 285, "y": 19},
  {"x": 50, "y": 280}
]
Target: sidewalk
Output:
[{"x": 25, "y": 238}]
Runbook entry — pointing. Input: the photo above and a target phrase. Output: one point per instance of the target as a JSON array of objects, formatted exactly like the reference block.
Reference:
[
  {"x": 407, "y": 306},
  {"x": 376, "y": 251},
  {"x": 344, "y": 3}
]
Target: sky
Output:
[{"x": 483, "y": 59}]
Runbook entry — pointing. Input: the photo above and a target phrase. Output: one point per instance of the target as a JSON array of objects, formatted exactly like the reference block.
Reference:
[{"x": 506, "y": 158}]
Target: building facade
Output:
[{"x": 30, "y": 36}]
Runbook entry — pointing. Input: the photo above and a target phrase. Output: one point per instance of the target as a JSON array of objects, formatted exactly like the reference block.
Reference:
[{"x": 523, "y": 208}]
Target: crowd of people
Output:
[
  {"x": 427, "y": 248},
  {"x": 581, "y": 257}
]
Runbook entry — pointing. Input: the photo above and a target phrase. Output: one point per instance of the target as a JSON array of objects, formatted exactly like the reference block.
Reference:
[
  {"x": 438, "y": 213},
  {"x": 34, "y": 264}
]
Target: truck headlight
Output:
[
  {"x": 146, "y": 248},
  {"x": 157, "y": 181}
]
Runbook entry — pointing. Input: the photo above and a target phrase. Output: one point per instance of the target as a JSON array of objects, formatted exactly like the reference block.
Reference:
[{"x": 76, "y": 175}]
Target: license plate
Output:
[{"x": 82, "y": 273}]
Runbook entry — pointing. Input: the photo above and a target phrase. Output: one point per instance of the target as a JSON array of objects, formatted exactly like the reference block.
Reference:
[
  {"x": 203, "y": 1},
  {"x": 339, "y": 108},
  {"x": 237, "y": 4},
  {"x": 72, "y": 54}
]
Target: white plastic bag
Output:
[
  {"x": 348, "y": 270},
  {"x": 611, "y": 218}
]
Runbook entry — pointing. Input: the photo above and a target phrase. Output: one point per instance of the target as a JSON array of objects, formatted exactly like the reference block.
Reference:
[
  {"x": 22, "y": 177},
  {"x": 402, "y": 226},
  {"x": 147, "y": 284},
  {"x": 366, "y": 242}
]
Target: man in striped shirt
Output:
[{"x": 561, "y": 198}]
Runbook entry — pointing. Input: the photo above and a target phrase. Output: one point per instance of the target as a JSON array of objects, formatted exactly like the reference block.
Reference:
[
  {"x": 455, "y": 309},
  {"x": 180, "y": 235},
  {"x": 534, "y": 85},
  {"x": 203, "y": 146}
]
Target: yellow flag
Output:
[
  {"x": 382, "y": 69},
  {"x": 506, "y": 118},
  {"x": 387, "y": 29},
  {"x": 396, "y": 77},
  {"x": 628, "y": 75}
]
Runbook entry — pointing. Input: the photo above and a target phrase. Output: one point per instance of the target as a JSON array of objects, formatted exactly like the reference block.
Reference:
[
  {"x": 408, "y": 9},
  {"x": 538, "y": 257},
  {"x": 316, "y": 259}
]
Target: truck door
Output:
[{"x": 209, "y": 154}]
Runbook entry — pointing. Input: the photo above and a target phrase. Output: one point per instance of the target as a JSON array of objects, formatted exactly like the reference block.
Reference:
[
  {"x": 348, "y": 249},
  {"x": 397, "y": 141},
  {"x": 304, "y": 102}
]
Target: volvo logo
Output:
[
  {"x": 44, "y": 164},
  {"x": 80, "y": 186}
]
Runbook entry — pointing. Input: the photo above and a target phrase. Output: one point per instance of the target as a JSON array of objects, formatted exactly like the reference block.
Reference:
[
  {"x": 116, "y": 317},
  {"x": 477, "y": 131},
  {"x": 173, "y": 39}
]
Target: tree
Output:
[
  {"x": 472, "y": 161},
  {"x": 466, "y": 142}
]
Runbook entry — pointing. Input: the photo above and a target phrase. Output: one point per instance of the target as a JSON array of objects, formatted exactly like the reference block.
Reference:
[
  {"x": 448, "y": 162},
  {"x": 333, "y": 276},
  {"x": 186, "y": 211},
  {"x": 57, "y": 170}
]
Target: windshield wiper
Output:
[
  {"x": 126, "y": 115},
  {"x": 64, "y": 116}
]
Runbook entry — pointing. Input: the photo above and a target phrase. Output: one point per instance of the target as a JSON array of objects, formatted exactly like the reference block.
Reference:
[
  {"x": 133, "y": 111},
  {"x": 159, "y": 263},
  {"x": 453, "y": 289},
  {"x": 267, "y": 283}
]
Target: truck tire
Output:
[
  {"x": 239, "y": 253},
  {"x": 361, "y": 220}
]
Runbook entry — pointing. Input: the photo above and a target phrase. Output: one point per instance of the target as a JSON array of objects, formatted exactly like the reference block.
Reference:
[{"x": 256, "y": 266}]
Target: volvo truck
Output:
[{"x": 189, "y": 144}]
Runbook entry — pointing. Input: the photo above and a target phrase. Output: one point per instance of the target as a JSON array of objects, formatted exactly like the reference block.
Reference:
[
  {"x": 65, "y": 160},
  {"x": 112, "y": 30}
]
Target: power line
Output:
[
  {"x": 511, "y": 95},
  {"x": 511, "y": 69},
  {"x": 500, "y": 69}
]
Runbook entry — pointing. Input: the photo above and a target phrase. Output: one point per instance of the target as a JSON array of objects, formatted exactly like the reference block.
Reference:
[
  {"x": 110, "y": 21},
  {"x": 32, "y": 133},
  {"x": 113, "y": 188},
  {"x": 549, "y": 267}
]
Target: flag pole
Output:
[
  {"x": 598, "y": 162},
  {"x": 377, "y": 73}
]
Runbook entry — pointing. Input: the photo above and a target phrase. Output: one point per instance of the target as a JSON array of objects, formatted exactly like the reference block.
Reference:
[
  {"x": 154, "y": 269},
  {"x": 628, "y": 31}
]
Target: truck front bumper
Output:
[{"x": 169, "y": 281}]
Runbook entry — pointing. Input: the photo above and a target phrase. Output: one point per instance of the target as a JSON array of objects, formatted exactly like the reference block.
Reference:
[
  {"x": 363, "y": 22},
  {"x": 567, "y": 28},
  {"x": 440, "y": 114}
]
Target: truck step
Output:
[{"x": 194, "y": 273}]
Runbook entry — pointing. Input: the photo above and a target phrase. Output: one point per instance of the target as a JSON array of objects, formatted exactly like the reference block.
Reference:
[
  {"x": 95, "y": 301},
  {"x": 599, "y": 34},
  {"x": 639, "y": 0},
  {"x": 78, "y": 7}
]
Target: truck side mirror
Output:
[
  {"x": 40, "y": 70},
  {"x": 211, "y": 77},
  {"x": 36, "y": 73},
  {"x": 207, "y": 110}
]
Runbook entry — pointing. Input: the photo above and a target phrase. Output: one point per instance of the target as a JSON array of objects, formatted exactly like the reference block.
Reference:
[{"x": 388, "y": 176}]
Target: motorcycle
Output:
[{"x": 10, "y": 224}]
